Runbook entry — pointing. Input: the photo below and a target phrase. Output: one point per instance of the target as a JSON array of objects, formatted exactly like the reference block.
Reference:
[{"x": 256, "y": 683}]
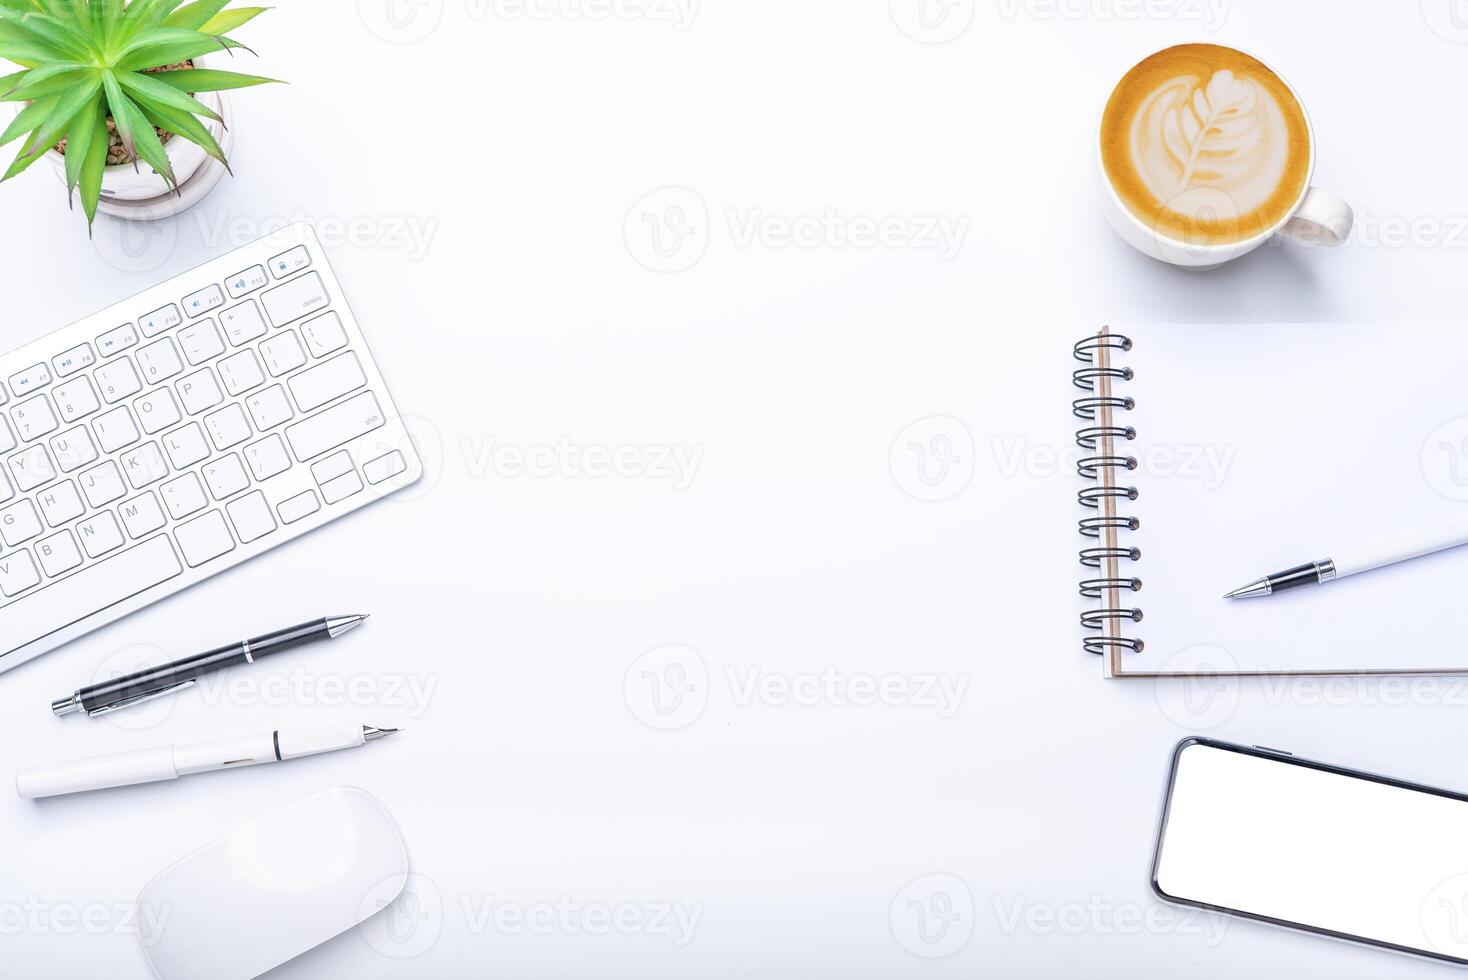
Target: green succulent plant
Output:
[{"x": 87, "y": 62}]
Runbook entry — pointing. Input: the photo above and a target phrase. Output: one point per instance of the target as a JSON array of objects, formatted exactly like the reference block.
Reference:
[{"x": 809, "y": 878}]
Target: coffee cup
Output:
[{"x": 1205, "y": 153}]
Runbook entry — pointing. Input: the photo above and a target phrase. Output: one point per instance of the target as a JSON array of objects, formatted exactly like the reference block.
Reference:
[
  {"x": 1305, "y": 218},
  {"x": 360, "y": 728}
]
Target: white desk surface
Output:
[{"x": 482, "y": 189}]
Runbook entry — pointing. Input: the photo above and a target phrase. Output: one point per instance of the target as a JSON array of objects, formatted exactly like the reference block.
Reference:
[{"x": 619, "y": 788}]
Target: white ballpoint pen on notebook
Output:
[
  {"x": 1356, "y": 560},
  {"x": 172, "y": 761}
]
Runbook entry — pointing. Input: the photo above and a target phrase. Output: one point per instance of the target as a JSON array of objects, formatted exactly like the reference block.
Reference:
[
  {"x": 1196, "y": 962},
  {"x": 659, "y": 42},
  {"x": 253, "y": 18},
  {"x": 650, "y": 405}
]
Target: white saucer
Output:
[{"x": 190, "y": 192}]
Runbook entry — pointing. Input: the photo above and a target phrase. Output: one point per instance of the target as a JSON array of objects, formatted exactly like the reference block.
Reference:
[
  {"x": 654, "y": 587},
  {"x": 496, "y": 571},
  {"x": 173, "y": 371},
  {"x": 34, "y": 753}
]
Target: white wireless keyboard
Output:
[{"x": 180, "y": 432}]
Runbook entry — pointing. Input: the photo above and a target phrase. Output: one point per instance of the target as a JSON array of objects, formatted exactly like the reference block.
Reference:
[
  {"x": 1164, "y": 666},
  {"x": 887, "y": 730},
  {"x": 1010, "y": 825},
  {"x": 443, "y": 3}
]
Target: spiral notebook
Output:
[{"x": 1213, "y": 454}]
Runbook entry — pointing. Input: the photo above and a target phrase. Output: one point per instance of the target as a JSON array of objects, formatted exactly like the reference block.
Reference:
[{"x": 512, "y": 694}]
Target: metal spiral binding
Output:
[{"x": 1104, "y": 439}]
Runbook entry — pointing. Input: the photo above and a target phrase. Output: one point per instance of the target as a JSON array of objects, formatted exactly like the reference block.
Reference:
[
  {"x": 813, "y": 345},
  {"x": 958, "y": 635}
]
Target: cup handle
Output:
[{"x": 1322, "y": 219}]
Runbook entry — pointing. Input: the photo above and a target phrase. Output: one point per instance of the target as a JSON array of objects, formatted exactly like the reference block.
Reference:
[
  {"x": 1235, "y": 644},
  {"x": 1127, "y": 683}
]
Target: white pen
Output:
[
  {"x": 172, "y": 761},
  {"x": 1353, "y": 562}
]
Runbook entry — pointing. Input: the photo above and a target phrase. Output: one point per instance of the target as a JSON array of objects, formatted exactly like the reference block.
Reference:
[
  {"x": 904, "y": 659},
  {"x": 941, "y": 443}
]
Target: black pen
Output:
[{"x": 152, "y": 682}]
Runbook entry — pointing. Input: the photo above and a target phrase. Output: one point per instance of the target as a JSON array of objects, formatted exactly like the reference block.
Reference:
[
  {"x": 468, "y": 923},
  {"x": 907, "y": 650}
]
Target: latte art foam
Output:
[{"x": 1206, "y": 145}]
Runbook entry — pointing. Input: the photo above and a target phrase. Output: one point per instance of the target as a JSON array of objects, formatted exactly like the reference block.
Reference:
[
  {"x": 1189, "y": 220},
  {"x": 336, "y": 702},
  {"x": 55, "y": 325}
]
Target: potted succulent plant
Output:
[{"x": 107, "y": 89}]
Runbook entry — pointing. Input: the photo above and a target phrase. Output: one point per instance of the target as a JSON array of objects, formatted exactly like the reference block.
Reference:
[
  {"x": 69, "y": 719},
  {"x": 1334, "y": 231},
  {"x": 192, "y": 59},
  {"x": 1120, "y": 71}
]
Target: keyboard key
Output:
[
  {"x": 297, "y": 507},
  {"x": 282, "y": 353},
  {"x": 115, "y": 429},
  {"x": 74, "y": 360},
  {"x": 332, "y": 466},
  {"x": 336, "y": 426},
  {"x": 292, "y": 261},
  {"x": 160, "y": 320},
  {"x": 144, "y": 465},
  {"x": 341, "y": 488},
  {"x": 241, "y": 372},
  {"x": 228, "y": 426},
  {"x": 159, "y": 361},
  {"x": 199, "y": 391},
  {"x": 186, "y": 446},
  {"x": 58, "y": 553},
  {"x": 157, "y": 410},
  {"x": 141, "y": 515},
  {"x": 183, "y": 496},
  {"x": 302, "y": 295},
  {"x": 117, "y": 379},
  {"x": 201, "y": 341},
  {"x": 204, "y": 538},
  {"x": 32, "y": 468},
  {"x": 251, "y": 517},
  {"x": 103, "y": 484},
  {"x": 75, "y": 399},
  {"x": 19, "y": 522},
  {"x": 225, "y": 476},
  {"x": 60, "y": 504},
  {"x": 27, "y": 381},
  {"x": 269, "y": 408},
  {"x": 245, "y": 282},
  {"x": 17, "y": 573},
  {"x": 384, "y": 467},
  {"x": 243, "y": 323},
  {"x": 117, "y": 339},
  {"x": 7, "y": 438},
  {"x": 100, "y": 534},
  {"x": 33, "y": 419},
  {"x": 99, "y": 587},
  {"x": 326, "y": 382},
  {"x": 74, "y": 449},
  {"x": 267, "y": 457},
  {"x": 324, "y": 334},
  {"x": 6, "y": 490},
  {"x": 201, "y": 302}
]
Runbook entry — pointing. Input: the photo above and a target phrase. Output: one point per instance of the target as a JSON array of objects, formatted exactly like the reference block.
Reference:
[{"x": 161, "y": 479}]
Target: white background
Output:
[{"x": 479, "y": 172}]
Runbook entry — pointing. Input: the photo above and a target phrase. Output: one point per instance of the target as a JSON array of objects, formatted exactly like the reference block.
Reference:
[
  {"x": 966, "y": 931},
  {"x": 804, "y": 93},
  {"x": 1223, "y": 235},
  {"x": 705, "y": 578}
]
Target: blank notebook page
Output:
[{"x": 1261, "y": 447}]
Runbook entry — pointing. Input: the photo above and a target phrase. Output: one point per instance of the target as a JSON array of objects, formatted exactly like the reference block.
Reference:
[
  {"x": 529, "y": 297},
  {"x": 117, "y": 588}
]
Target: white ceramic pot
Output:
[{"x": 124, "y": 182}]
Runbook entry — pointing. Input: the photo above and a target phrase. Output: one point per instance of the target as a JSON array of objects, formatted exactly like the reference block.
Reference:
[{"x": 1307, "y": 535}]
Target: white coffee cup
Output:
[{"x": 1317, "y": 217}]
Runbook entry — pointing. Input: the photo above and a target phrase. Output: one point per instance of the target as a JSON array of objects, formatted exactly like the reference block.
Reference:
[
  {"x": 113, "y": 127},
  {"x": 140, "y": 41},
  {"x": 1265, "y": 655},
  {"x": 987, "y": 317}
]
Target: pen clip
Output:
[{"x": 139, "y": 699}]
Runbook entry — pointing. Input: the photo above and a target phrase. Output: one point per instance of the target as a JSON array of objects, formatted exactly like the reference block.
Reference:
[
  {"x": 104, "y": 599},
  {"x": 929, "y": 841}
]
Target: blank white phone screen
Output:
[{"x": 1317, "y": 849}]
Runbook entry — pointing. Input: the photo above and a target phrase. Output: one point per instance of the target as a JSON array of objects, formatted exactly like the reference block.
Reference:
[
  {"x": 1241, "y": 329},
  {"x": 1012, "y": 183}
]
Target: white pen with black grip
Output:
[{"x": 1355, "y": 561}]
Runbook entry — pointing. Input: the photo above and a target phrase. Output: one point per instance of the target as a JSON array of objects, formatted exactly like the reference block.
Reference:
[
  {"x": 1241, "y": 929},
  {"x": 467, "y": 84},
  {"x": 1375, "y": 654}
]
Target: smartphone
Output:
[{"x": 1259, "y": 833}]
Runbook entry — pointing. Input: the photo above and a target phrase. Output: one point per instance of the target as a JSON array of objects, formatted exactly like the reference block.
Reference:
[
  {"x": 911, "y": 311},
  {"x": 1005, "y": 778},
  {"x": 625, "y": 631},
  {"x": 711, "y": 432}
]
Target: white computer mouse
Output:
[{"x": 274, "y": 888}]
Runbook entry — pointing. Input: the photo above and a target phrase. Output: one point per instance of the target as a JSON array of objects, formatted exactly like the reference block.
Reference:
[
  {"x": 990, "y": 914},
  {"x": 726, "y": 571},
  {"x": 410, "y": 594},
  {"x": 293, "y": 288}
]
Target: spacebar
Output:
[{"x": 89, "y": 591}]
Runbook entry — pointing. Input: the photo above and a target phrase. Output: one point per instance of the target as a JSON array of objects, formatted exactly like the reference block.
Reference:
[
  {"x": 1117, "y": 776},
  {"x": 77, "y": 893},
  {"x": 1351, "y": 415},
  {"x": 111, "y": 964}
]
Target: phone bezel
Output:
[{"x": 1285, "y": 758}]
